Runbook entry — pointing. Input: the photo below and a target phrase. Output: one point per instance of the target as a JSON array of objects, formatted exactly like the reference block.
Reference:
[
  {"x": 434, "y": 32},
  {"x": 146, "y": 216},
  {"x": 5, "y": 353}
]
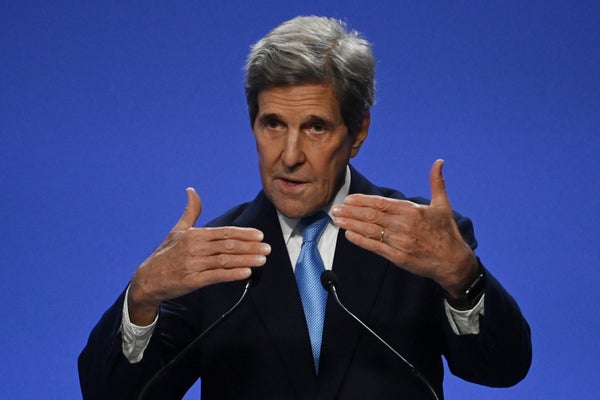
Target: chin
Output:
[
  {"x": 292, "y": 213},
  {"x": 292, "y": 210},
  {"x": 300, "y": 211},
  {"x": 295, "y": 207}
]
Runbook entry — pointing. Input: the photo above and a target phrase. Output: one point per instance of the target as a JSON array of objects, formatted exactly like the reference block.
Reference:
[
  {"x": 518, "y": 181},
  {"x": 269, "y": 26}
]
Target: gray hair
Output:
[{"x": 314, "y": 50}]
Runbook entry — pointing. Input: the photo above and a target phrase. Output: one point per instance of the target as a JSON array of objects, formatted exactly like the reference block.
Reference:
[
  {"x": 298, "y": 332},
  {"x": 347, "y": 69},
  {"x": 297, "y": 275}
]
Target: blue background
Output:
[{"x": 108, "y": 110}]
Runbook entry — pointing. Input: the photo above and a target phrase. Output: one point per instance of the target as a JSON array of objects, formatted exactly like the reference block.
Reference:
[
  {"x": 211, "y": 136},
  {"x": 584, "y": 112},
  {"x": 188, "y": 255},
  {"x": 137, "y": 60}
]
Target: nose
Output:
[{"x": 292, "y": 154}]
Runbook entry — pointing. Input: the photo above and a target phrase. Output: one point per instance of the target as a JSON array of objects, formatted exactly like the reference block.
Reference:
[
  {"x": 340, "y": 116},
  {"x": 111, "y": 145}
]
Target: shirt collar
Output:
[{"x": 289, "y": 224}]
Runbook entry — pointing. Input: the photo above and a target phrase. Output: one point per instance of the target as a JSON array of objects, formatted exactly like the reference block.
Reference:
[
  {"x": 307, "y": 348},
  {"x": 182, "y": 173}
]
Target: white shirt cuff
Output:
[
  {"x": 135, "y": 338},
  {"x": 465, "y": 322}
]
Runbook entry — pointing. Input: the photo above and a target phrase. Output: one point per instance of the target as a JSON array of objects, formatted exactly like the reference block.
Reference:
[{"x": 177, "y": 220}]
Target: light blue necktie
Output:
[{"x": 308, "y": 277}]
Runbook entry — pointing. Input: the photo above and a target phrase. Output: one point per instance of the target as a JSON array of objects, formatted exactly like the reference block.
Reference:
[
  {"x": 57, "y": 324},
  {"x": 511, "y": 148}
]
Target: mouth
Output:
[{"x": 291, "y": 183}]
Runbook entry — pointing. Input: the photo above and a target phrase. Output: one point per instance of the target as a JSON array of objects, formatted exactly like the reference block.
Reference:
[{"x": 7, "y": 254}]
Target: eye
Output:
[
  {"x": 272, "y": 124},
  {"x": 318, "y": 128}
]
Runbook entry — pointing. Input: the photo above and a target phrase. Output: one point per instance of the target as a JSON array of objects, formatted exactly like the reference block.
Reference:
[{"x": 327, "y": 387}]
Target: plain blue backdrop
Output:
[{"x": 110, "y": 109}]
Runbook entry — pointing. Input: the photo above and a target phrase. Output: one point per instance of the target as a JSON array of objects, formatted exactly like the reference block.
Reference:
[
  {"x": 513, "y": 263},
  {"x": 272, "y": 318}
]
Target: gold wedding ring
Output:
[{"x": 381, "y": 236}]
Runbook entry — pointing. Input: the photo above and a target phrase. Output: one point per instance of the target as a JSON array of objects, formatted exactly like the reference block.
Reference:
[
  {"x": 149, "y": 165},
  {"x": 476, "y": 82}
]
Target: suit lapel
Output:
[
  {"x": 360, "y": 275},
  {"x": 277, "y": 299}
]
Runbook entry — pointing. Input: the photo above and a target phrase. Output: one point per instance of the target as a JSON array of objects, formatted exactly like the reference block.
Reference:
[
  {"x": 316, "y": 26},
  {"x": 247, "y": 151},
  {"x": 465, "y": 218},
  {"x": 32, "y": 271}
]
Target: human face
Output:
[{"x": 303, "y": 147}]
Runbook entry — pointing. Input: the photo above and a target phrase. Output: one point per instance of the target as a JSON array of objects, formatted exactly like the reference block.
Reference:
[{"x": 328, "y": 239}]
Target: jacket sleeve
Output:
[
  {"x": 500, "y": 355},
  {"x": 105, "y": 373}
]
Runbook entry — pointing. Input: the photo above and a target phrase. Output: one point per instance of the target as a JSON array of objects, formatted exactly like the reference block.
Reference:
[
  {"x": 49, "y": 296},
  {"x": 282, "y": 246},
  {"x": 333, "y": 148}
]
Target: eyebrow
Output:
[
  {"x": 317, "y": 118},
  {"x": 268, "y": 117},
  {"x": 310, "y": 118}
]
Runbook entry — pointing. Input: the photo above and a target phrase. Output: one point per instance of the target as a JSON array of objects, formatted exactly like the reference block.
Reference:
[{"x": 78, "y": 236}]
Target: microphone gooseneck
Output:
[
  {"x": 250, "y": 282},
  {"x": 329, "y": 282}
]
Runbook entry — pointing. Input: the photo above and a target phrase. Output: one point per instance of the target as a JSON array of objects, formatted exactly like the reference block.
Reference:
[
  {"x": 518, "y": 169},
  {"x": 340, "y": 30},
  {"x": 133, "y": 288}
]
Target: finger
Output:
[
  {"x": 231, "y": 232},
  {"x": 366, "y": 229},
  {"x": 204, "y": 247},
  {"x": 227, "y": 261},
  {"x": 211, "y": 277},
  {"x": 374, "y": 245},
  {"x": 372, "y": 208},
  {"x": 191, "y": 212},
  {"x": 366, "y": 200},
  {"x": 439, "y": 198}
]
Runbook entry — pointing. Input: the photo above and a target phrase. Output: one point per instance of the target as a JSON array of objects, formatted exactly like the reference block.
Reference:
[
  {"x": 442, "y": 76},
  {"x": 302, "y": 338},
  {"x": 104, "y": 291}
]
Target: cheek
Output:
[
  {"x": 263, "y": 153},
  {"x": 337, "y": 160},
  {"x": 264, "y": 167},
  {"x": 330, "y": 170},
  {"x": 268, "y": 150}
]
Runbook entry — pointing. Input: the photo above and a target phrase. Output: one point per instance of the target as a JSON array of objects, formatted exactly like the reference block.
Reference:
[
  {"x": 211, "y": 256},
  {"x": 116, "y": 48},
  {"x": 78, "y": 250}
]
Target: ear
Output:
[{"x": 360, "y": 135}]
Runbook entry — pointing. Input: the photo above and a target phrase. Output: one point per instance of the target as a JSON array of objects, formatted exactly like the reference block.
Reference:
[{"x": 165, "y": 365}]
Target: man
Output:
[{"x": 405, "y": 266}]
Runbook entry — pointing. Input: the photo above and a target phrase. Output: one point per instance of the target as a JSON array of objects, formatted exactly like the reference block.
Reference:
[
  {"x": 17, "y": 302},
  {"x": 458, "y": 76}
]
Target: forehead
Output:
[{"x": 309, "y": 99}]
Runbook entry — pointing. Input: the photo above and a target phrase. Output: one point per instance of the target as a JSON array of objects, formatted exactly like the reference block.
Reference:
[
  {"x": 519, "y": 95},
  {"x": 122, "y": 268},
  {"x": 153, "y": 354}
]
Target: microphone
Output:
[
  {"x": 250, "y": 282},
  {"x": 329, "y": 282}
]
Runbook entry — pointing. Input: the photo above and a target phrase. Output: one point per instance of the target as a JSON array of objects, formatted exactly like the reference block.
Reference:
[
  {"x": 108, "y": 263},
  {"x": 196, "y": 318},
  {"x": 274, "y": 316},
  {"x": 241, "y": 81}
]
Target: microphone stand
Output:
[
  {"x": 161, "y": 372},
  {"x": 329, "y": 282}
]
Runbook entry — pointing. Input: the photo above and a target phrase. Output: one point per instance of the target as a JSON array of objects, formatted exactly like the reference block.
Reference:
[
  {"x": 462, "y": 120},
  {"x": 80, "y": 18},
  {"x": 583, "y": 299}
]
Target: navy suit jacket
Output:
[{"x": 263, "y": 351}]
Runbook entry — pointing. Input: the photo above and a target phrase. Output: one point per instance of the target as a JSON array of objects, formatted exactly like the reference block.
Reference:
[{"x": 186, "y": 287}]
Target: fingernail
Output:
[
  {"x": 336, "y": 210},
  {"x": 265, "y": 248},
  {"x": 260, "y": 260}
]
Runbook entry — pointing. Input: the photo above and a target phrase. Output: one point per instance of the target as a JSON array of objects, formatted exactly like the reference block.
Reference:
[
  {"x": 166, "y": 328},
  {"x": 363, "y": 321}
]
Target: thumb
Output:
[
  {"x": 191, "y": 212},
  {"x": 439, "y": 198}
]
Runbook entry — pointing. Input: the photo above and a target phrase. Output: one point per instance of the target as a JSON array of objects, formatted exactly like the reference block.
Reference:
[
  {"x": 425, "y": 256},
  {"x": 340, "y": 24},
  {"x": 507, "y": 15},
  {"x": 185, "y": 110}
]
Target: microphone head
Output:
[{"x": 329, "y": 280}]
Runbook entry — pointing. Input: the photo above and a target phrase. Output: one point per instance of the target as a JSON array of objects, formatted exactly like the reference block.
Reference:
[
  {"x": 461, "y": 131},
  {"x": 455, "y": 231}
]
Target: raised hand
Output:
[
  {"x": 422, "y": 239},
  {"x": 190, "y": 258}
]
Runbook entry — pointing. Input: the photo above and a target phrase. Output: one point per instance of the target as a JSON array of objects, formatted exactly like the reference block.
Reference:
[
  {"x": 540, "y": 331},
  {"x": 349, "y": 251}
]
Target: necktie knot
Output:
[{"x": 314, "y": 226}]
